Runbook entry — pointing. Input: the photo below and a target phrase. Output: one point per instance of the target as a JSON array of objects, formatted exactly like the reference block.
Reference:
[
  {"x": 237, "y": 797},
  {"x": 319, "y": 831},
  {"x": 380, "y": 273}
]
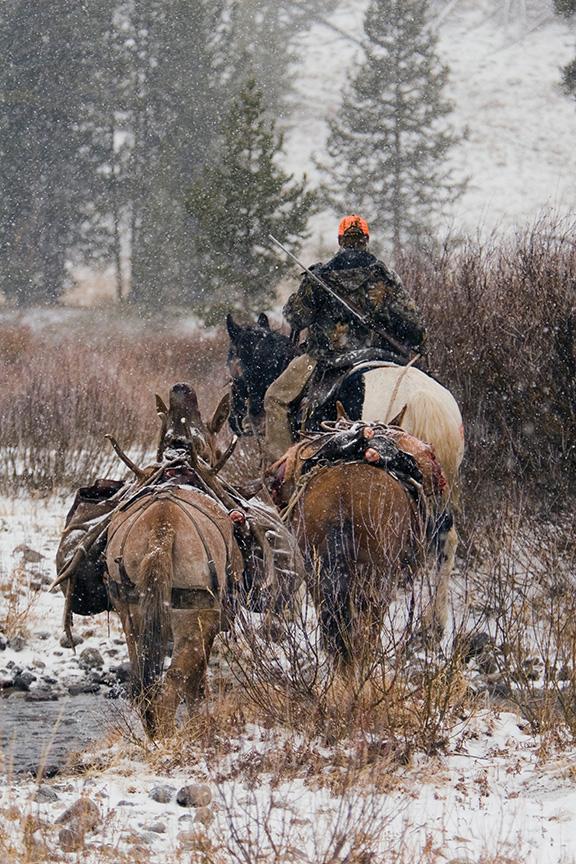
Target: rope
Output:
[{"x": 397, "y": 386}]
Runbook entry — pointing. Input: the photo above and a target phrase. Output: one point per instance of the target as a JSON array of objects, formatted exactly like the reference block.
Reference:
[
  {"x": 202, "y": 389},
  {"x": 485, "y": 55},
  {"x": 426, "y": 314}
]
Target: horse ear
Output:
[
  {"x": 397, "y": 420},
  {"x": 263, "y": 321},
  {"x": 220, "y": 414},
  {"x": 233, "y": 328},
  {"x": 160, "y": 406},
  {"x": 341, "y": 412}
]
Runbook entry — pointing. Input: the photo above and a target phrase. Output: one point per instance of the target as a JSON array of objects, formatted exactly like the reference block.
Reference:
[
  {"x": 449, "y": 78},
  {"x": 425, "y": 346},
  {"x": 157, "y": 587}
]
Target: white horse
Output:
[{"x": 427, "y": 410}]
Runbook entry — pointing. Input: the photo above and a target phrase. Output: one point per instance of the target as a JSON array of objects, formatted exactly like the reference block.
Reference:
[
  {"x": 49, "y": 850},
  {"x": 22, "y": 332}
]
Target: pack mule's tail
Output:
[{"x": 155, "y": 588}]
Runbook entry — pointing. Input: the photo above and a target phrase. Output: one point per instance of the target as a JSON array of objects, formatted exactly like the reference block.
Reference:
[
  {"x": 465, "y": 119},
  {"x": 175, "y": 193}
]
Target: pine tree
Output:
[
  {"x": 51, "y": 143},
  {"x": 569, "y": 78},
  {"x": 266, "y": 36},
  {"x": 388, "y": 145},
  {"x": 173, "y": 95},
  {"x": 565, "y": 8},
  {"x": 236, "y": 203}
]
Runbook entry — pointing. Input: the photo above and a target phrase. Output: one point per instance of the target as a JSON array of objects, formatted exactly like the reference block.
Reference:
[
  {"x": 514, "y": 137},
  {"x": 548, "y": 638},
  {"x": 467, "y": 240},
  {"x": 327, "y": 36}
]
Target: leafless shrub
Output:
[
  {"x": 522, "y": 585},
  {"x": 401, "y": 696},
  {"x": 17, "y": 600},
  {"x": 60, "y": 396},
  {"x": 349, "y": 830},
  {"x": 502, "y": 322}
]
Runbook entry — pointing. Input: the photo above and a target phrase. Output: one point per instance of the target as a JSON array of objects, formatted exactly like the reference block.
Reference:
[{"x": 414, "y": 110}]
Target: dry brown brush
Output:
[
  {"x": 63, "y": 391},
  {"x": 521, "y": 596},
  {"x": 502, "y": 335}
]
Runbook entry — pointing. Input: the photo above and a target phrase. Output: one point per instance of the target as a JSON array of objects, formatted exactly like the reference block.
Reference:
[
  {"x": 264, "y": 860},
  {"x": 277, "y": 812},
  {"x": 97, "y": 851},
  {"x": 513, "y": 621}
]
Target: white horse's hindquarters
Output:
[{"x": 432, "y": 414}]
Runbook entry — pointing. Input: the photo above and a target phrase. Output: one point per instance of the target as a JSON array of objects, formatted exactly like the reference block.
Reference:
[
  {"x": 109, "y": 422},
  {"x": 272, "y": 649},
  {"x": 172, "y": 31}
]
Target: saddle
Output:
[{"x": 337, "y": 380}]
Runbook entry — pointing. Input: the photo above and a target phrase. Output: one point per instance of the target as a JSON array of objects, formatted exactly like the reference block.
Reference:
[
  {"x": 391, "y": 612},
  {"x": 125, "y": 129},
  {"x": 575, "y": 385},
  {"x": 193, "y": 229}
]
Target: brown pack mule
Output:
[
  {"x": 364, "y": 530},
  {"x": 171, "y": 559},
  {"x": 358, "y": 526}
]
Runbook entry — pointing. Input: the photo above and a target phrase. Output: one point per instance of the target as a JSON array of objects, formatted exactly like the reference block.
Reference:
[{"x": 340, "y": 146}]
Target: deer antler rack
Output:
[
  {"x": 163, "y": 429},
  {"x": 224, "y": 457}
]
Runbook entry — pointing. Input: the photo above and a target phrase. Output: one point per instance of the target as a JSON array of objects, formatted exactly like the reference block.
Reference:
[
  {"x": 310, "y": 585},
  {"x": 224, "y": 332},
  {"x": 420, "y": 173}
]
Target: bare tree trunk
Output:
[{"x": 116, "y": 239}]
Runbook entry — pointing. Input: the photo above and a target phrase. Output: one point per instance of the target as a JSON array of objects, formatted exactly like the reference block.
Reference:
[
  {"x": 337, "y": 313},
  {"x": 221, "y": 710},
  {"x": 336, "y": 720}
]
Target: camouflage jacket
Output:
[{"x": 373, "y": 288}]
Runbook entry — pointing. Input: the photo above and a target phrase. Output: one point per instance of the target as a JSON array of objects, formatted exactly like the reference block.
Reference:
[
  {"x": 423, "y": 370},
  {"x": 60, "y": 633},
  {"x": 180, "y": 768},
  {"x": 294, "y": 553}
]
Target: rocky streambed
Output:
[{"x": 38, "y": 738}]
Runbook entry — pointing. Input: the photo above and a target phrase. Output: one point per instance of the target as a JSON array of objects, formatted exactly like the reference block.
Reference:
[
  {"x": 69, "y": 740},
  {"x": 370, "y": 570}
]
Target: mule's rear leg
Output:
[
  {"x": 329, "y": 586},
  {"x": 131, "y": 624},
  {"x": 333, "y": 610},
  {"x": 193, "y": 632}
]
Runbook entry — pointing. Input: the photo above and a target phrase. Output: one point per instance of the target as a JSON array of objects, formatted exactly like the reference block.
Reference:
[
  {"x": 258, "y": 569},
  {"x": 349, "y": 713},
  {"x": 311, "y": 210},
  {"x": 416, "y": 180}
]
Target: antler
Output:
[
  {"x": 163, "y": 429},
  {"x": 225, "y": 456},
  {"x": 140, "y": 474}
]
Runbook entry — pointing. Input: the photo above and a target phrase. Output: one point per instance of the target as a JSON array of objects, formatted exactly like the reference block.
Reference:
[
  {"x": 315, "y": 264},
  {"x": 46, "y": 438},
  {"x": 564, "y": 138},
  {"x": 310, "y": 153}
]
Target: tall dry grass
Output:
[{"x": 62, "y": 393}]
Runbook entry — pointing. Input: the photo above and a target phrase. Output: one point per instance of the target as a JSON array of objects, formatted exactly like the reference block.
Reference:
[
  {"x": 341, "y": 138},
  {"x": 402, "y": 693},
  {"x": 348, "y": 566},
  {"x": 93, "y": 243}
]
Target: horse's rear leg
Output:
[
  {"x": 330, "y": 590},
  {"x": 193, "y": 632},
  {"x": 445, "y": 542}
]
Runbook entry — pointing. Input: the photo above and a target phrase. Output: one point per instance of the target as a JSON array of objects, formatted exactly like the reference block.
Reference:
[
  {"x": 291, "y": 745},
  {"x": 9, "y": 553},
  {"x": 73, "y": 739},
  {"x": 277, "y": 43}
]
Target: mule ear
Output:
[
  {"x": 160, "y": 406},
  {"x": 341, "y": 412},
  {"x": 220, "y": 414},
  {"x": 263, "y": 321},
  {"x": 397, "y": 420},
  {"x": 233, "y": 328}
]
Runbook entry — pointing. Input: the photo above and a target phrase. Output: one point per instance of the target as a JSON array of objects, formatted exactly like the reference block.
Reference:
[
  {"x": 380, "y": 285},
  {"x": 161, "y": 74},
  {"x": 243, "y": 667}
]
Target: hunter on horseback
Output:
[{"x": 359, "y": 278}]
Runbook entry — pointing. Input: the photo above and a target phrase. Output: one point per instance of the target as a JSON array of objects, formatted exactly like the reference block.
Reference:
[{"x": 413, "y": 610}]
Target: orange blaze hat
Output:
[{"x": 353, "y": 222}]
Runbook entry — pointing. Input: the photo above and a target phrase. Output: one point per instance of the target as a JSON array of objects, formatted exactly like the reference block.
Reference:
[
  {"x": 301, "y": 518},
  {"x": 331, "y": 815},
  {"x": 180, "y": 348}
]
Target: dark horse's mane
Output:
[{"x": 257, "y": 356}]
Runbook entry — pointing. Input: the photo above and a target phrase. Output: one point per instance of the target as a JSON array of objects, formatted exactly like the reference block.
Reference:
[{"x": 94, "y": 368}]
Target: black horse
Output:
[{"x": 256, "y": 357}]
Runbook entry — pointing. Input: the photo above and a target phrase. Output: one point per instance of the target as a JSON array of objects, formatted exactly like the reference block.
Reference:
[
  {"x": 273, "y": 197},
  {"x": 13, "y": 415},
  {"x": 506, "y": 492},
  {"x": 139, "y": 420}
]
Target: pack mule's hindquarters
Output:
[
  {"x": 169, "y": 563},
  {"x": 361, "y": 528}
]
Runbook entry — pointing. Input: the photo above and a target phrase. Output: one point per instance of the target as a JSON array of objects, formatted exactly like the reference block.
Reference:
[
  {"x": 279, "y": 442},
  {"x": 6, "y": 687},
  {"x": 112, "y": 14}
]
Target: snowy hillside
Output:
[{"x": 505, "y": 59}]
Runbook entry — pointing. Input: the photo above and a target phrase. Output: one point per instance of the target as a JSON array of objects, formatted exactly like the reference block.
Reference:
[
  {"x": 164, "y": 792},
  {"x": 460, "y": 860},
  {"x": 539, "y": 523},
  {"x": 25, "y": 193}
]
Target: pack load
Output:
[
  {"x": 272, "y": 560},
  {"x": 389, "y": 448}
]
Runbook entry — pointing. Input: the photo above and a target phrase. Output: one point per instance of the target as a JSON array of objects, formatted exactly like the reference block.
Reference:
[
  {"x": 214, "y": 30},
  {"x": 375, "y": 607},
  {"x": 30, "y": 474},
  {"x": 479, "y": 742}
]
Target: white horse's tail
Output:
[{"x": 426, "y": 418}]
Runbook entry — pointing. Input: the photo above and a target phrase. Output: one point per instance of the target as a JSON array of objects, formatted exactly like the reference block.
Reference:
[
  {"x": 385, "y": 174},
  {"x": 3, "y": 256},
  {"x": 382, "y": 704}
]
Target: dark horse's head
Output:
[{"x": 257, "y": 356}]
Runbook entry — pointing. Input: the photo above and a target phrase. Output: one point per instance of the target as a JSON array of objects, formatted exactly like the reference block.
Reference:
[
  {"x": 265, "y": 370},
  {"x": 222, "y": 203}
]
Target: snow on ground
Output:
[
  {"x": 34, "y": 665},
  {"x": 519, "y": 155},
  {"x": 495, "y": 790}
]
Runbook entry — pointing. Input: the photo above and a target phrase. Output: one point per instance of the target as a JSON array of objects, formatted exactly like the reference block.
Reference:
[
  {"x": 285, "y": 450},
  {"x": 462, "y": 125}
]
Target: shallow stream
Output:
[{"x": 44, "y": 735}]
